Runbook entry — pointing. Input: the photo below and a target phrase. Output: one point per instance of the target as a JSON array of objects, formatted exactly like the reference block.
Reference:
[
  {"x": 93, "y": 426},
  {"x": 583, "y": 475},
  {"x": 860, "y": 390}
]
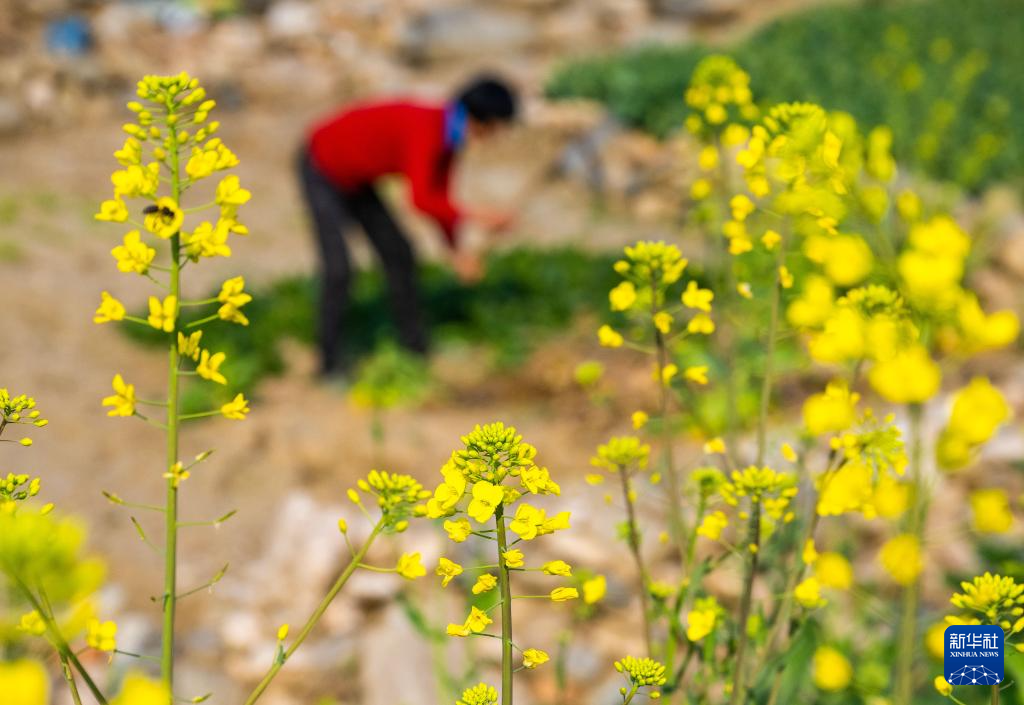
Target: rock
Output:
[
  {"x": 119, "y": 23},
  {"x": 707, "y": 12},
  {"x": 292, "y": 19},
  {"x": 382, "y": 639},
  {"x": 464, "y": 32},
  {"x": 1011, "y": 249}
]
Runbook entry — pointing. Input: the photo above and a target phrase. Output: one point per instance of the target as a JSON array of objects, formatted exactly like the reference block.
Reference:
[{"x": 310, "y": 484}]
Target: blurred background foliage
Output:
[{"x": 944, "y": 74}]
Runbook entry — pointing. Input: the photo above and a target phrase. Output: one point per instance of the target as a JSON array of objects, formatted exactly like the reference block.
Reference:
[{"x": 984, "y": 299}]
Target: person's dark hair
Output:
[{"x": 488, "y": 99}]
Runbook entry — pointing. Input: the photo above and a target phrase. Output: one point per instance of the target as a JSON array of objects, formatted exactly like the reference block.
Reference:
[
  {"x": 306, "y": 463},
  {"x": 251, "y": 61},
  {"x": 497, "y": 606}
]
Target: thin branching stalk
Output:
[
  {"x": 61, "y": 645},
  {"x": 739, "y": 683},
  {"x": 504, "y": 585},
  {"x": 675, "y": 517},
  {"x": 314, "y": 618},
  {"x": 69, "y": 678},
  {"x": 171, "y": 505},
  {"x": 633, "y": 539},
  {"x": 754, "y": 528}
]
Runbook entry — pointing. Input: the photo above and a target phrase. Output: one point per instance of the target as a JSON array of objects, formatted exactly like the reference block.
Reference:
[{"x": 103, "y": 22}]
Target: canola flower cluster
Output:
[
  {"x": 174, "y": 142},
  {"x": 483, "y": 494},
  {"x": 822, "y": 239}
]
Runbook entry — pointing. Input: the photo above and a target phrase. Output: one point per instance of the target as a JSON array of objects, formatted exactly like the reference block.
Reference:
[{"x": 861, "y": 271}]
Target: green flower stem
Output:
[
  {"x": 995, "y": 695},
  {"x": 675, "y": 517},
  {"x": 633, "y": 539},
  {"x": 782, "y": 617},
  {"x": 171, "y": 505},
  {"x": 908, "y": 611},
  {"x": 754, "y": 530},
  {"x": 739, "y": 669},
  {"x": 69, "y": 678},
  {"x": 504, "y": 585},
  {"x": 64, "y": 651},
  {"x": 199, "y": 415},
  {"x": 629, "y": 696},
  {"x": 201, "y": 321},
  {"x": 284, "y": 655}
]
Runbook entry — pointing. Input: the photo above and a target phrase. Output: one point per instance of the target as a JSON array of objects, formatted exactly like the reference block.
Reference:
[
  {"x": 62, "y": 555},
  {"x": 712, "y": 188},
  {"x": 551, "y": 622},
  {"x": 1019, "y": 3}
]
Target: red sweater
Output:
[{"x": 360, "y": 144}]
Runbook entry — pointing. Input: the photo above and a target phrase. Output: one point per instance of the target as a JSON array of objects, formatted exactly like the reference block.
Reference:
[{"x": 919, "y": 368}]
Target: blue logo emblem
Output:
[{"x": 974, "y": 655}]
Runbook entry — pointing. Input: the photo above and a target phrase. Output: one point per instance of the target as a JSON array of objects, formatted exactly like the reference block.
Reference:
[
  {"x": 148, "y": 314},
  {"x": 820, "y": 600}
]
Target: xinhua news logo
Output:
[{"x": 974, "y": 655}]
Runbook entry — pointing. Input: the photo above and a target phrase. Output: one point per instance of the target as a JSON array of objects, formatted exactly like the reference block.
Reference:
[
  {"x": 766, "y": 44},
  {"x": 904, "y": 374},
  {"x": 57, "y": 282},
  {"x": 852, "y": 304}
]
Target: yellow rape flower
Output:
[
  {"x": 978, "y": 410},
  {"x": 594, "y": 589},
  {"x": 623, "y": 296},
  {"x": 770, "y": 239},
  {"x": 448, "y": 494},
  {"x": 558, "y": 568},
  {"x": 831, "y": 671},
  {"x": 139, "y": 690},
  {"x": 24, "y": 682},
  {"x": 123, "y": 399},
  {"x": 513, "y": 558},
  {"x": 458, "y": 530},
  {"x": 701, "y": 620},
  {"x": 209, "y": 366},
  {"x": 448, "y": 570},
  {"x": 663, "y": 322},
  {"x": 701, "y": 324},
  {"x": 133, "y": 255},
  {"x": 110, "y": 309},
  {"x": 901, "y": 558},
  {"x": 563, "y": 594},
  {"x": 639, "y": 419},
  {"x": 609, "y": 337},
  {"x": 230, "y": 192},
  {"x": 697, "y": 298},
  {"x": 990, "y": 511},
  {"x": 534, "y": 657},
  {"x": 808, "y": 593},
  {"x": 112, "y": 211},
  {"x": 833, "y": 571},
  {"x": 475, "y": 623},
  {"x": 909, "y": 377},
  {"x": 831, "y": 411},
  {"x": 942, "y": 686},
  {"x": 32, "y": 623},
  {"x": 712, "y": 525},
  {"x": 410, "y": 566},
  {"x": 189, "y": 347},
  {"x": 163, "y": 314},
  {"x": 236, "y": 409},
  {"x": 207, "y": 240},
  {"x": 164, "y": 219},
  {"x": 232, "y": 297},
  {"x": 697, "y": 374},
  {"x": 785, "y": 277},
  {"x": 715, "y": 446},
  {"x": 485, "y": 583},
  {"x": 136, "y": 180},
  {"x": 486, "y": 498},
  {"x": 480, "y": 694},
  {"x": 102, "y": 635}
]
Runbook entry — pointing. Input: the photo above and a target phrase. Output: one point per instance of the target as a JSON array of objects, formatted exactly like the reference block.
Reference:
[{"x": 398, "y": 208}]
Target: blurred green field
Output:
[{"x": 944, "y": 74}]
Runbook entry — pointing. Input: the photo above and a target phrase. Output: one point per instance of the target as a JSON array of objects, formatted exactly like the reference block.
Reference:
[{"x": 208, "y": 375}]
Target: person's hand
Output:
[
  {"x": 496, "y": 221},
  {"x": 468, "y": 266}
]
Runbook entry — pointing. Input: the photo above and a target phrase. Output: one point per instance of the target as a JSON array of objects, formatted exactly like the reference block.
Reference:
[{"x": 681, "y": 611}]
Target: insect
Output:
[{"x": 160, "y": 211}]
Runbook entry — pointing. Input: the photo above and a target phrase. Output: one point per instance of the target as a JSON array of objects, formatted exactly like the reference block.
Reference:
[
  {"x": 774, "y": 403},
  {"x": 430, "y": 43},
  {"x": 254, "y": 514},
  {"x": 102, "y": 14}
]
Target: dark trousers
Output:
[{"x": 334, "y": 213}]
